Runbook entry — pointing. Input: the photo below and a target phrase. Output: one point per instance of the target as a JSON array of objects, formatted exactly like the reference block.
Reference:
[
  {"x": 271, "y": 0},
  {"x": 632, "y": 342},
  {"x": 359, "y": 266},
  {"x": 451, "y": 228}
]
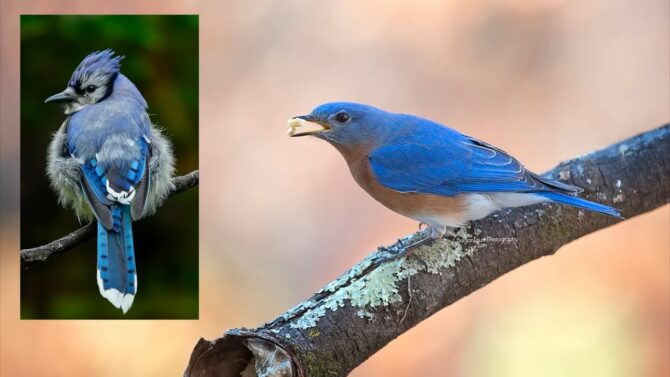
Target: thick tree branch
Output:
[
  {"x": 380, "y": 298},
  {"x": 30, "y": 257}
]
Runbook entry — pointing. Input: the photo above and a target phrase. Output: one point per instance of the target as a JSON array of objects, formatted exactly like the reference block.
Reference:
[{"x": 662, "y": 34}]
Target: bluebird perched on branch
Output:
[
  {"x": 109, "y": 162},
  {"x": 429, "y": 172}
]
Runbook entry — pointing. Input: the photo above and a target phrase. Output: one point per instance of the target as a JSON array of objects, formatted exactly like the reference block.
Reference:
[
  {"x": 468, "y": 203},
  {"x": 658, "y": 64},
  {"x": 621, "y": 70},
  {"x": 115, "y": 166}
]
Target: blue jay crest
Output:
[
  {"x": 108, "y": 162},
  {"x": 101, "y": 63}
]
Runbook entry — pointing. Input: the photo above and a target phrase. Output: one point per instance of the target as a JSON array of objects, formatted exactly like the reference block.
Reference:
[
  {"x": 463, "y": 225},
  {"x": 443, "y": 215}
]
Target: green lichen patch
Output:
[
  {"x": 438, "y": 257},
  {"x": 361, "y": 313},
  {"x": 380, "y": 287},
  {"x": 310, "y": 318},
  {"x": 353, "y": 273},
  {"x": 298, "y": 308},
  {"x": 377, "y": 288}
]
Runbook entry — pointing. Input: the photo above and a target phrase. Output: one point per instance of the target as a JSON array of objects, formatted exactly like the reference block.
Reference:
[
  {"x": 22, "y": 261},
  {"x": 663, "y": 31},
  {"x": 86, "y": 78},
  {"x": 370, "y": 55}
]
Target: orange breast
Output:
[{"x": 426, "y": 208}]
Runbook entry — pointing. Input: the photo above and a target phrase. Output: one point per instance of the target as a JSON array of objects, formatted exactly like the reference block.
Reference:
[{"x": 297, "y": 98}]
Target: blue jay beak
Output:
[
  {"x": 66, "y": 95},
  {"x": 304, "y": 121}
]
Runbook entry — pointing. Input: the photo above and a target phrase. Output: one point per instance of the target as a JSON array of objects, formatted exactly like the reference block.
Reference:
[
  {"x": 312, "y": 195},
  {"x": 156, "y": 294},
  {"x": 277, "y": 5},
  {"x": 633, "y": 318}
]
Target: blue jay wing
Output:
[
  {"x": 142, "y": 189},
  {"x": 104, "y": 187},
  {"x": 127, "y": 177},
  {"x": 452, "y": 164},
  {"x": 94, "y": 187}
]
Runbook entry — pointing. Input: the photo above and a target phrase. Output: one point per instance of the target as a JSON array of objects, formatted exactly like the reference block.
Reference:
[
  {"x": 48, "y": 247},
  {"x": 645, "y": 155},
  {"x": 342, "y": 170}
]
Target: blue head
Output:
[
  {"x": 347, "y": 124},
  {"x": 91, "y": 82}
]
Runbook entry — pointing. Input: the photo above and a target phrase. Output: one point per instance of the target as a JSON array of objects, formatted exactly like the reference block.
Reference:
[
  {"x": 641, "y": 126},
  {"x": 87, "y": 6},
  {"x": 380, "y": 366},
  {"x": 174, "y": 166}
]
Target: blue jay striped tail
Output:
[
  {"x": 581, "y": 203},
  {"x": 117, "y": 278}
]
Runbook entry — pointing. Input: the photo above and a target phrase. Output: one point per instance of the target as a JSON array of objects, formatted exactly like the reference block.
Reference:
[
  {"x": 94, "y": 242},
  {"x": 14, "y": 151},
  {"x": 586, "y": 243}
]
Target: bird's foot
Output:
[
  {"x": 430, "y": 234},
  {"x": 437, "y": 231}
]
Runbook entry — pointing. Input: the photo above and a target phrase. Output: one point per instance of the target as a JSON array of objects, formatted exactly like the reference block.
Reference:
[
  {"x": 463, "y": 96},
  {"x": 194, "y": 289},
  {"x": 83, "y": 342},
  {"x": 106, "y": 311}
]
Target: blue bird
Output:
[
  {"x": 429, "y": 172},
  {"x": 108, "y": 162}
]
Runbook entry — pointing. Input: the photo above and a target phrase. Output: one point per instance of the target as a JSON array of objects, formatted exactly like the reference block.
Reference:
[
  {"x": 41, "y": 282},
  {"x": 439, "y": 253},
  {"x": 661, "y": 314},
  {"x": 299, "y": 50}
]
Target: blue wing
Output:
[
  {"x": 444, "y": 162},
  {"x": 132, "y": 177}
]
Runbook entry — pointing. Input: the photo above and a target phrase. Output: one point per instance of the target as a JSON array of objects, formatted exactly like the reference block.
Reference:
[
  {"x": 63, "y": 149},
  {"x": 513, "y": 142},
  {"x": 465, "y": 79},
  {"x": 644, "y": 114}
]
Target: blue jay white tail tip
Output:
[{"x": 120, "y": 300}]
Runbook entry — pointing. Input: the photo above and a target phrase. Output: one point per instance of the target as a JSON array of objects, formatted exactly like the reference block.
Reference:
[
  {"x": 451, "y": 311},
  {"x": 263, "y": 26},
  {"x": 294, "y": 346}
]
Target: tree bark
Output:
[
  {"x": 39, "y": 254},
  {"x": 381, "y": 297}
]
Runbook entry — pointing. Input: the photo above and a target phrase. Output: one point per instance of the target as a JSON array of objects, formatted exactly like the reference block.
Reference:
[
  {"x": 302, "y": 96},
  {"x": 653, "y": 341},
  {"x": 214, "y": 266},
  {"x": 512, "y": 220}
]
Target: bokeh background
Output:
[
  {"x": 545, "y": 80},
  {"x": 161, "y": 59}
]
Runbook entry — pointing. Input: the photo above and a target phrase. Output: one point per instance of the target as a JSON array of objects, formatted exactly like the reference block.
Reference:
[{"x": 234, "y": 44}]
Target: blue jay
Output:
[{"x": 109, "y": 162}]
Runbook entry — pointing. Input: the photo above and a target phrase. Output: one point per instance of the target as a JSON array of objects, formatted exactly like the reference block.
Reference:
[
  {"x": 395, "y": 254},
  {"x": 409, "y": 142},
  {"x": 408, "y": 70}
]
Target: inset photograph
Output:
[{"x": 109, "y": 167}]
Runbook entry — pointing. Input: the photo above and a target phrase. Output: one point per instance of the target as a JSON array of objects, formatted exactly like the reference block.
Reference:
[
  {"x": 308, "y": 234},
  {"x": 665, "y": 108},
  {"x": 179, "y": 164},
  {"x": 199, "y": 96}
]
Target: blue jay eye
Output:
[
  {"x": 342, "y": 117},
  {"x": 90, "y": 88}
]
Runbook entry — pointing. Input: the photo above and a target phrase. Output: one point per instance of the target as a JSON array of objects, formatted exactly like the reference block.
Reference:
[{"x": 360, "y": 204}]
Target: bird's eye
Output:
[
  {"x": 342, "y": 117},
  {"x": 90, "y": 88}
]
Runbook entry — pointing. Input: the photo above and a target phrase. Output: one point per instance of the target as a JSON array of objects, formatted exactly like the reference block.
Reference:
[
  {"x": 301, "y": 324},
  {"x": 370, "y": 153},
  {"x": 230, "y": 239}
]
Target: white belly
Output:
[{"x": 478, "y": 206}]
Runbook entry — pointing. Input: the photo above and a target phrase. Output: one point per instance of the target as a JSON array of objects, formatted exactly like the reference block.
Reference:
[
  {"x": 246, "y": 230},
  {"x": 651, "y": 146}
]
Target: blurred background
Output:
[
  {"x": 161, "y": 59},
  {"x": 545, "y": 80}
]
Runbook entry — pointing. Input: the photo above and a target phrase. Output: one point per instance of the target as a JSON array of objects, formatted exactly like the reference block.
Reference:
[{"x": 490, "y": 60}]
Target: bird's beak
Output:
[
  {"x": 66, "y": 95},
  {"x": 304, "y": 122}
]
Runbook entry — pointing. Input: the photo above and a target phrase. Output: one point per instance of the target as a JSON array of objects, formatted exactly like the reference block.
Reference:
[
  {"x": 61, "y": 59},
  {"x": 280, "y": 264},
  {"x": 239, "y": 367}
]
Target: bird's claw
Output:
[{"x": 407, "y": 250}]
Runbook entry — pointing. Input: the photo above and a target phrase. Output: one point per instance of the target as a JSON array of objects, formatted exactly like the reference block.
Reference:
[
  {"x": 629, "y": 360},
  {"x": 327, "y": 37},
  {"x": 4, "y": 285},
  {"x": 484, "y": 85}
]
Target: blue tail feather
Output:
[
  {"x": 581, "y": 203},
  {"x": 117, "y": 277}
]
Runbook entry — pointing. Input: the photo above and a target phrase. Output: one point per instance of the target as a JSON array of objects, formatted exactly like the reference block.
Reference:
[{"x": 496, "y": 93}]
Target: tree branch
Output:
[
  {"x": 379, "y": 298},
  {"x": 33, "y": 256}
]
